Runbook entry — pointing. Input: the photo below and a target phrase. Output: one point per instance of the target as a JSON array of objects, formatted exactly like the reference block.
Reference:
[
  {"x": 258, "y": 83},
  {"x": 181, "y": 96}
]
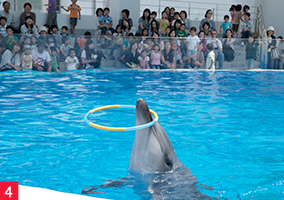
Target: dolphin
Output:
[{"x": 154, "y": 169}]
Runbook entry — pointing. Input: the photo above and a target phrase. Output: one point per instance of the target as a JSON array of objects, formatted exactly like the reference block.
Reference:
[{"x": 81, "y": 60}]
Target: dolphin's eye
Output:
[{"x": 168, "y": 162}]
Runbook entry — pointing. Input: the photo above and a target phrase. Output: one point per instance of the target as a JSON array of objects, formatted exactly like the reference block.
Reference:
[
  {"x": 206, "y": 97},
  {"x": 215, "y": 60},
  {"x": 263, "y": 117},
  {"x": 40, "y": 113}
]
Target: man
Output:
[
  {"x": 42, "y": 58},
  {"x": 217, "y": 48},
  {"x": 6, "y": 13}
]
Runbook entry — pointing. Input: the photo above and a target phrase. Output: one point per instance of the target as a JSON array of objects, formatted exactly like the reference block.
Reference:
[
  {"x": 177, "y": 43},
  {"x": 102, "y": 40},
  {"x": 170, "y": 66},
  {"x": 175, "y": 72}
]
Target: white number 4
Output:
[{"x": 8, "y": 192}]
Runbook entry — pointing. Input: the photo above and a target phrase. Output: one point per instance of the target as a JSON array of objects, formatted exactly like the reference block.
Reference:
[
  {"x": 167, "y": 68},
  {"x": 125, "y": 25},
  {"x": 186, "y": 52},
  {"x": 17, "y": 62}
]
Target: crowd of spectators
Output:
[{"x": 157, "y": 44}]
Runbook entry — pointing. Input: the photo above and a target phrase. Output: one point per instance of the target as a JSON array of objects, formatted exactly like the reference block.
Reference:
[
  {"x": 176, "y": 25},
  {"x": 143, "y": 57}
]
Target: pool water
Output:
[{"x": 226, "y": 128}]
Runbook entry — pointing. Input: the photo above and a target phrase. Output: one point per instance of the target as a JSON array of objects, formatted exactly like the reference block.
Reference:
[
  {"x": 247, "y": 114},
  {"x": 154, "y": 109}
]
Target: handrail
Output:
[{"x": 260, "y": 25}]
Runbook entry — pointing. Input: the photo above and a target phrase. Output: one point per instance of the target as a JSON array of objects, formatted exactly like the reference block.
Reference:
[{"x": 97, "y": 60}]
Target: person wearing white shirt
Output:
[
  {"x": 41, "y": 57},
  {"x": 217, "y": 47},
  {"x": 192, "y": 44}
]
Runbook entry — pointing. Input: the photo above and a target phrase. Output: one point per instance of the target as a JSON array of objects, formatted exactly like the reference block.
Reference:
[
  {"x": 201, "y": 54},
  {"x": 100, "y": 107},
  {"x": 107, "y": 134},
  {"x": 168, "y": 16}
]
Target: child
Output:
[
  {"x": 167, "y": 32},
  {"x": 47, "y": 28},
  {"x": 181, "y": 32},
  {"x": 156, "y": 56},
  {"x": 71, "y": 61},
  {"x": 251, "y": 51},
  {"x": 192, "y": 43},
  {"x": 154, "y": 16},
  {"x": 53, "y": 55},
  {"x": 145, "y": 33},
  {"x": 82, "y": 41},
  {"x": 27, "y": 41},
  {"x": 64, "y": 31},
  {"x": 210, "y": 57},
  {"x": 143, "y": 60},
  {"x": 55, "y": 32},
  {"x": 3, "y": 26},
  {"x": 65, "y": 47},
  {"x": 225, "y": 25},
  {"x": 245, "y": 10},
  {"x": 237, "y": 18},
  {"x": 27, "y": 59},
  {"x": 50, "y": 41},
  {"x": 171, "y": 16},
  {"x": 247, "y": 27},
  {"x": 232, "y": 10},
  {"x": 106, "y": 23},
  {"x": 148, "y": 46},
  {"x": 33, "y": 42},
  {"x": 176, "y": 17},
  {"x": 164, "y": 22},
  {"x": 75, "y": 10},
  {"x": 9, "y": 38},
  {"x": 117, "y": 41}
]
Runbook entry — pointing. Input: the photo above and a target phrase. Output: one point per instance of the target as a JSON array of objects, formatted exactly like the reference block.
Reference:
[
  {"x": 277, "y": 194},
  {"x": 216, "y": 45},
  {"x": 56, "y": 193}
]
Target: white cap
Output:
[
  {"x": 271, "y": 28},
  {"x": 42, "y": 28}
]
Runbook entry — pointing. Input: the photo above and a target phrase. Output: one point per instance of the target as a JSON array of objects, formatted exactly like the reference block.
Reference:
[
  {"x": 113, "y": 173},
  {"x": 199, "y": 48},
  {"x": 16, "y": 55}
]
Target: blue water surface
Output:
[{"x": 226, "y": 127}]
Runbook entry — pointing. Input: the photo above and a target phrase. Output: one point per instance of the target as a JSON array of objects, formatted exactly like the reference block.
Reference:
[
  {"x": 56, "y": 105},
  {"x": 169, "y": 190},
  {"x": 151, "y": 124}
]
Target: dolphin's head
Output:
[{"x": 152, "y": 150}]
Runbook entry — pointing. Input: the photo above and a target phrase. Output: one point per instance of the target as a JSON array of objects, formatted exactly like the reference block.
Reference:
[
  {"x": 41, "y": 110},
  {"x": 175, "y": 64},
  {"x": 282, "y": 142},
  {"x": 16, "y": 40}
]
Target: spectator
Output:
[
  {"x": 211, "y": 57},
  {"x": 9, "y": 38},
  {"x": 3, "y": 26},
  {"x": 106, "y": 22},
  {"x": 27, "y": 40},
  {"x": 71, "y": 61},
  {"x": 28, "y": 28},
  {"x": 27, "y": 12},
  {"x": 117, "y": 40},
  {"x": 177, "y": 25},
  {"x": 88, "y": 56},
  {"x": 171, "y": 15},
  {"x": 42, "y": 58},
  {"x": 206, "y": 27},
  {"x": 156, "y": 57},
  {"x": 217, "y": 48},
  {"x": 126, "y": 45},
  {"x": 125, "y": 16},
  {"x": 74, "y": 12},
  {"x": 144, "y": 21},
  {"x": 52, "y": 15},
  {"x": 65, "y": 47},
  {"x": 251, "y": 51},
  {"x": 53, "y": 52},
  {"x": 228, "y": 46},
  {"x": 6, "y": 13},
  {"x": 98, "y": 26},
  {"x": 145, "y": 33},
  {"x": 246, "y": 8},
  {"x": 225, "y": 25},
  {"x": 42, "y": 34},
  {"x": 176, "y": 17},
  {"x": 82, "y": 41},
  {"x": 271, "y": 44},
  {"x": 154, "y": 27},
  {"x": 131, "y": 56},
  {"x": 154, "y": 16},
  {"x": 64, "y": 31},
  {"x": 77, "y": 46},
  {"x": 185, "y": 20},
  {"x": 164, "y": 22},
  {"x": 181, "y": 32},
  {"x": 33, "y": 42},
  {"x": 202, "y": 37},
  {"x": 47, "y": 28},
  {"x": 167, "y": 32},
  {"x": 232, "y": 11},
  {"x": 192, "y": 44},
  {"x": 27, "y": 59},
  {"x": 144, "y": 60},
  {"x": 168, "y": 59},
  {"x": 56, "y": 34},
  {"x": 199, "y": 58},
  {"x": 237, "y": 18},
  {"x": 167, "y": 10},
  {"x": 126, "y": 28},
  {"x": 157, "y": 40},
  {"x": 11, "y": 58},
  {"x": 208, "y": 16},
  {"x": 247, "y": 27}
]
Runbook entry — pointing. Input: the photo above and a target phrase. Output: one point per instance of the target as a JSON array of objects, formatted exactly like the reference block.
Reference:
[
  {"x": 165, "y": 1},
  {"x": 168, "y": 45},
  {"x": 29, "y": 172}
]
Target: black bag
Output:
[{"x": 229, "y": 53}]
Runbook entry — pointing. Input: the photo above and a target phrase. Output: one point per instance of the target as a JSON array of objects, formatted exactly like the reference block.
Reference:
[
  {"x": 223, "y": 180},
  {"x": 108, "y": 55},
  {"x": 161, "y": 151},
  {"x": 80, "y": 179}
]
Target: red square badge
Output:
[{"x": 9, "y": 190}]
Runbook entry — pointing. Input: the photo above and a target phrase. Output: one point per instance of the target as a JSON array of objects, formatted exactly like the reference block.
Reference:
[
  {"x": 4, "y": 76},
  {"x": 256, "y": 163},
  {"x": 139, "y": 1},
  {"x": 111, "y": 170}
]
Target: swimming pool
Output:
[{"x": 226, "y": 127}]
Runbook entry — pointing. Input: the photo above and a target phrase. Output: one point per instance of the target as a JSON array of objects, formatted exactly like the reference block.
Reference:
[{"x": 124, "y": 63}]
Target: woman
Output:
[
  {"x": 208, "y": 16},
  {"x": 203, "y": 39},
  {"x": 157, "y": 40},
  {"x": 130, "y": 57},
  {"x": 206, "y": 27},
  {"x": 155, "y": 28},
  {"x": 27, "y": 12},
  {"x": 11, "y": 58},
  {"x": 125, "y": 16},
  {"x": 177, "y": 24},
  {"x": 271, "y": 44},
  {"x": 28, "y": 28},
  {"x": 144, "y": 21},
  {"x": 228, "y": 46},
  {"x": 99, "y": 13},
  {"x": 126, "y": 28},
  {"x": 168, "y": 59},
  {"x": 185, "y": 20},
  {"x": 87, "y": 56}
]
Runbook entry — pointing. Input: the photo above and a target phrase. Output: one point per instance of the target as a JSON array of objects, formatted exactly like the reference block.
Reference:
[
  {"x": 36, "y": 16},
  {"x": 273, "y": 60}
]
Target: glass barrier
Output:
[{"x": 61, "y": 53}]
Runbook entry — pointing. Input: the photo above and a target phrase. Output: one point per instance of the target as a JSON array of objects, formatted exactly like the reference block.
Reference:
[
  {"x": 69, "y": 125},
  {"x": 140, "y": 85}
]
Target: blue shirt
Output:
[
  {"x": 226, "y": 26},
  {"x": 105, "y": 20}
]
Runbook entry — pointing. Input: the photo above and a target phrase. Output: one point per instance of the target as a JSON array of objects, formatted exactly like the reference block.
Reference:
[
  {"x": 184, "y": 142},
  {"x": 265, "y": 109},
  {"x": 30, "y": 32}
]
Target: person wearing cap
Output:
[
  {"x": 271, "y": 42},
  {"x": 41, "y": 58},
  {"x": 42, "y": 34},
  {"x": 27, "y": 59}
]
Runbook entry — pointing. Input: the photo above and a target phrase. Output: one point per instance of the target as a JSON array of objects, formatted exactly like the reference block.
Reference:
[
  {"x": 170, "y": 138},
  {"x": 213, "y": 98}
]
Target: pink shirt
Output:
[
  {"x": 144, "y": 62},
  {"x": 156, "y": 58},
  {"x": 232, "y": 16}
]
